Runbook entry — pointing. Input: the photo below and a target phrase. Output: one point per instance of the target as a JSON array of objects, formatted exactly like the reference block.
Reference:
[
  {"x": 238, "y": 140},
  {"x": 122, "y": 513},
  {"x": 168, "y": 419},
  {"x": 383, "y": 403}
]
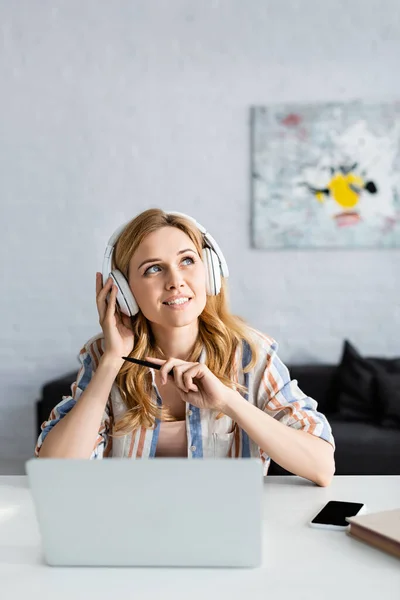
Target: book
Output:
[{"x": 380, "y": 529}]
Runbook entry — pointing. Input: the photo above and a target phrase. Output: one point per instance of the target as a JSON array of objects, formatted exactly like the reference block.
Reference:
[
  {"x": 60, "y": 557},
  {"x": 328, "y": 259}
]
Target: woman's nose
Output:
[{"x": 174, "y": 279}]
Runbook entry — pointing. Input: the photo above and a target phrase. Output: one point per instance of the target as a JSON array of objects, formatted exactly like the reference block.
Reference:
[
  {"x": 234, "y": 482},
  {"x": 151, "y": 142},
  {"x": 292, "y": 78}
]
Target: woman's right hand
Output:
[{"x": 118, "y": 334}]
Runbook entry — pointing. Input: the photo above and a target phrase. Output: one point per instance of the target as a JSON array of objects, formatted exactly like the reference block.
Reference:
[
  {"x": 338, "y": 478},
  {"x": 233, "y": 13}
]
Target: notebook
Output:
[{"x": 381, "y": 529}]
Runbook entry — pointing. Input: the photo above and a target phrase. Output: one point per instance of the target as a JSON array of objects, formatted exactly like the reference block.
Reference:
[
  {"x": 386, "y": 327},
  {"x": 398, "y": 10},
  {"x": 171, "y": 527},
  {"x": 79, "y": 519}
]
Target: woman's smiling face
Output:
[{"x": 165, "y": 266}]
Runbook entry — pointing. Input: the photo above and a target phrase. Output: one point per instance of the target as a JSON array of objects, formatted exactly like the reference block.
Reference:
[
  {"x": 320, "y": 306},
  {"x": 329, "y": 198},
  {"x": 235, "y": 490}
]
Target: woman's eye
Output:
[
  {"x": 188, "y": 258},
  {"x": 150, "y": 272}
]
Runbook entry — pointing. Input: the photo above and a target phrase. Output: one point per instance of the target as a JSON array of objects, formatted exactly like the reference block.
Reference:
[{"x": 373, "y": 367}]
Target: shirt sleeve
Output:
[
  {"x": 85, "y": 373},
  {"x": 280, "y": 397}
]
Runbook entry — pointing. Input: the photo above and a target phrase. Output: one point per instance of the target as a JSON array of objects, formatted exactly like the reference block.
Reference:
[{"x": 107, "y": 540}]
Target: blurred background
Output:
[{"x": 110, "y": 108}]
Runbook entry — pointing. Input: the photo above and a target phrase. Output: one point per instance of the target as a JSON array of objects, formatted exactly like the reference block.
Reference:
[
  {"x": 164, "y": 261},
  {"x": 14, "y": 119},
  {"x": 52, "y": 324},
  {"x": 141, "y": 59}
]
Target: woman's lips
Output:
[{"x": 178, "y": 306}]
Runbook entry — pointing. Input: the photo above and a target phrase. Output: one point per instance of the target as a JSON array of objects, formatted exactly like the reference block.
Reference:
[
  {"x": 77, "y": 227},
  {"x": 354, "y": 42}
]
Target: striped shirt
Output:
[{"x": 268, "y": 385}]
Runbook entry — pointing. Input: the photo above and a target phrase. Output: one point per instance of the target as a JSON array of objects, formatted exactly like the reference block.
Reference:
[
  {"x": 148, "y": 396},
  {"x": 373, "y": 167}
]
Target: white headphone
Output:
[{"x": 214, "y": 261}]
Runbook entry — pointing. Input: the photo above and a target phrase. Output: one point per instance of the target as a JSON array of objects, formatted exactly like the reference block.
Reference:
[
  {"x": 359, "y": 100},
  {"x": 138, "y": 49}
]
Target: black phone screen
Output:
[{"x": 335, "y": 513}]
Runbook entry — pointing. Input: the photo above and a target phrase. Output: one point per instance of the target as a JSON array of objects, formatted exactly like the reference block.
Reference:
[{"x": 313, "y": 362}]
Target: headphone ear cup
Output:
[
  {"x": 213, "y": 275},
  {"x": 125, "y": 298}
]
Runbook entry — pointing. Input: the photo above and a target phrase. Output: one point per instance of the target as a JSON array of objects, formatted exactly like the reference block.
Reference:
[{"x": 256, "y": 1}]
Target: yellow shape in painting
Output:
[
  {"x": 341, "y": 191},
  {"x": 320, "y": 196}
]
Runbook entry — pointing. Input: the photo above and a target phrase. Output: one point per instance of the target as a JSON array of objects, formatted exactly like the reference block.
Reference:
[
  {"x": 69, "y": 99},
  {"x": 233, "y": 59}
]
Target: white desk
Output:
[{"x": 299, "y": 561}]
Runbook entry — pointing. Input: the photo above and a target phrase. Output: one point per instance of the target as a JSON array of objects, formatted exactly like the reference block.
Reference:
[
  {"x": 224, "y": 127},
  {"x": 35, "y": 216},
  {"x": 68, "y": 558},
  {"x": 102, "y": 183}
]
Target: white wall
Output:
[{"x": 109, "y": 108}]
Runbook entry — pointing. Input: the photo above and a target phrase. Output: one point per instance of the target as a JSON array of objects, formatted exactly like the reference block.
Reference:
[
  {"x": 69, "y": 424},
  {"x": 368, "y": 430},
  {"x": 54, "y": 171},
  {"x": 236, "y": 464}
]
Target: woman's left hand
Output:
[{"x": 195, "y": 383}]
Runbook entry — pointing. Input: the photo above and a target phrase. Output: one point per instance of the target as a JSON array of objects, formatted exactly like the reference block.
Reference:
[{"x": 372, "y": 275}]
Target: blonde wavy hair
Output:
[{"x": 220, "y": 332}]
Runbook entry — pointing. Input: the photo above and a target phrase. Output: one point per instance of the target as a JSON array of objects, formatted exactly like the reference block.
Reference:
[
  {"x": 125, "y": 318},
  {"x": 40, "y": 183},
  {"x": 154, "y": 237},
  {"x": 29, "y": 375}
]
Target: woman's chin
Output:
[{"x": 182, "y": 317}]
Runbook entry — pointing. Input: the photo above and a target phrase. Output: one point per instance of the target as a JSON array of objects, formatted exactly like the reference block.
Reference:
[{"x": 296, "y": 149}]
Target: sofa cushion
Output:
[
  {"x": 388, "y": 385},
  {"x": 358, "y": 382},
  {"x": 357, "y": 398}
]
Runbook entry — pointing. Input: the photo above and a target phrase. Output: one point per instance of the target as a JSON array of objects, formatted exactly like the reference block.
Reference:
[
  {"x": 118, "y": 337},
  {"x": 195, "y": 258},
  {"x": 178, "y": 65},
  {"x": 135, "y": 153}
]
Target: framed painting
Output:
[{"x": 326, "y": 175}]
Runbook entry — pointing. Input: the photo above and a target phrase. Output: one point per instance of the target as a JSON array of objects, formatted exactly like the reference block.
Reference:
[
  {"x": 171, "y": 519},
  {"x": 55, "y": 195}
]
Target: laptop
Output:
[{"x": 168, "y": 512}]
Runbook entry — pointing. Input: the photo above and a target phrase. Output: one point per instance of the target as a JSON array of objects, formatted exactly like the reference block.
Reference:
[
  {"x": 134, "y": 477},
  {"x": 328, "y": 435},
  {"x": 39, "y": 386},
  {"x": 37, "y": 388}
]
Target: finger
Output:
[
  {"x": 187, "y": 379},
  {"x": 99, "y": 287},
  {"x": 112, "y": 302},
  {"x": 101, "y": 298},
  {"x": 177, "y": 374},
  {"x": 196, "y": 372},
  {"x": 104, "y": 290},
  {"x": 157, "y": 361},
  {"x": 163, "y": 371},
  {"x": 105, "y": 302},
  {"x": 169, "y": 365},
  {"x": 183, "y": 378},
  {"x": 99, "y": 283}
]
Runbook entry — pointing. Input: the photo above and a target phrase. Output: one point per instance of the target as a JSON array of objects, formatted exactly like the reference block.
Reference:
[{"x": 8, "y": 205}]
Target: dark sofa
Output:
[
  {"x": 362, "y": 448},
  {"x": 366, "y": 442}
]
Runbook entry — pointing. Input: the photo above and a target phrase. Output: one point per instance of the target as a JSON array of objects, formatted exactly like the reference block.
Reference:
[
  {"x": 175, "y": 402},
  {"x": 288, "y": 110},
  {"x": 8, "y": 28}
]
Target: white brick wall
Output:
[{"x": 109, "y": 108}]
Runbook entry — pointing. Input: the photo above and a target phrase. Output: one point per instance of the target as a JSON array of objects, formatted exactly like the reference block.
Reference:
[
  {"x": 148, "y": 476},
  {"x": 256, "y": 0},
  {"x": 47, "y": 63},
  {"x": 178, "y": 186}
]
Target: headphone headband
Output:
[
  {"x": 112, "y": 241},
  {"x": 207, "y": 237}
]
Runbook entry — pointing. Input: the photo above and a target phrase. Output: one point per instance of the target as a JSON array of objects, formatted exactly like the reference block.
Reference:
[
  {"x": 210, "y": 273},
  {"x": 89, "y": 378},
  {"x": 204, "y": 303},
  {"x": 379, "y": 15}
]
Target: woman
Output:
[{"x": 228, "y": 394}]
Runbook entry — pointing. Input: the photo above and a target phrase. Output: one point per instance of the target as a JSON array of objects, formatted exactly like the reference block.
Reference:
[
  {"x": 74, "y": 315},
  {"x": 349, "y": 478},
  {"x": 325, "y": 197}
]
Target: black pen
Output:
[{"x": 146, "y": 363}]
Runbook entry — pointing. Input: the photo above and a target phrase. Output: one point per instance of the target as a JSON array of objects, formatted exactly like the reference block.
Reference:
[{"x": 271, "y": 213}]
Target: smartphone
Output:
[{"x": 333, "y": 515}]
